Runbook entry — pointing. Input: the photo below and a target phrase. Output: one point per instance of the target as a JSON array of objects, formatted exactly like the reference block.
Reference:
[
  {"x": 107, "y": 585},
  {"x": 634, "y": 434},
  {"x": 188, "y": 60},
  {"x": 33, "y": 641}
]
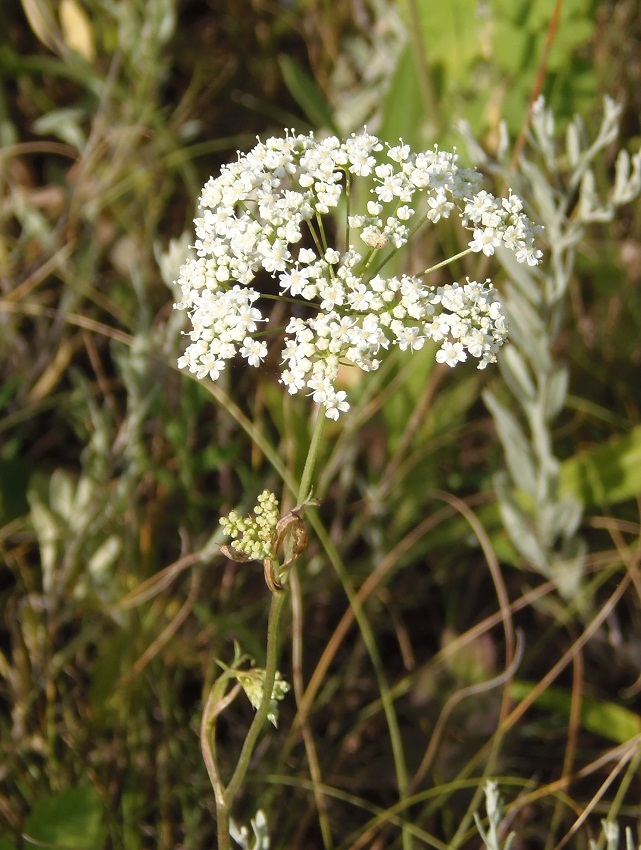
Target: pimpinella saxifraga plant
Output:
[{"x": 287, "y": 209}]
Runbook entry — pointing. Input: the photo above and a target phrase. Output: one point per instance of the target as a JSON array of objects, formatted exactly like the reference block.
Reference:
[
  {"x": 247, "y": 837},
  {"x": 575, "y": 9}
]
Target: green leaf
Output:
[
  {"x": 544, "y": 194},
  {"x": 403, "y": 111},
  {"x": 509, "y": 46},
  {"x": 14, "y": 480},
  {"x": 518, "y": 525},
  {"x": 611, "y": 721},
  {"x": 48, "y": 533},
  {"x": 65, "y": 124},
  {"x": 67, "y": 819},
  {"x": 517, "y": 375},
  {"x": 606, "y": 475},
  {"x": 527, "y": 285},
  {"x": 105, "y": 697},
  {"x": 571, "y": 36},
  {"x": 540, "y": 14},
  {"x": 518, "y": 455},
  {"x": 450, "y": 34},
  {"x": 307, "y": 94},
  {"x": 133, "y": 812},
  {"x": 555, "y": 394}
]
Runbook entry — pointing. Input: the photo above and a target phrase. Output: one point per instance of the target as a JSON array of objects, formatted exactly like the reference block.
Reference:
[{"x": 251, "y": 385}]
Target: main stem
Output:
[
  {"x": 275, "y": 611},
  {"x": 225, "y": 799},
  {"x": 312, "y": 456}
]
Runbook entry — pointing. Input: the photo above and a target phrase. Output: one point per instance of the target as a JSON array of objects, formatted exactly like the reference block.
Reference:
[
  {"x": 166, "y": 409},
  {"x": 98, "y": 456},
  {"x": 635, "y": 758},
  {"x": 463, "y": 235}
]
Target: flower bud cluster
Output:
[
  {"x": 253, "y": 536},
  {"x": 255, "y": 214}
]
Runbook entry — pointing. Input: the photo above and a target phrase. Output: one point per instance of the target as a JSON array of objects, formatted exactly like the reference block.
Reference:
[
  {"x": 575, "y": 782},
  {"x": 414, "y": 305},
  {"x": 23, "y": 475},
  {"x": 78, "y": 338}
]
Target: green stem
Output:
[
  {"x": 445, "y": 262},
  {"x": 225, "y": 796},
  {"x": 217, "y": 702},
  {"x": 387, "y": 698},
  {"x": 273, "y": 639},
  {"x": 222, "y": 827},
  {"x": 305, "y": 485},
  {"x": 303, "y": 494},
  {"x": 348, "y": 201},
  {"x": 308, "y": 739}
]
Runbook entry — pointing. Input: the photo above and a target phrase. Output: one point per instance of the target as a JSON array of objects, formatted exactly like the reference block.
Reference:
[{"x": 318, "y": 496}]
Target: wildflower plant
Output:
[{"x": 274, "y": 212}]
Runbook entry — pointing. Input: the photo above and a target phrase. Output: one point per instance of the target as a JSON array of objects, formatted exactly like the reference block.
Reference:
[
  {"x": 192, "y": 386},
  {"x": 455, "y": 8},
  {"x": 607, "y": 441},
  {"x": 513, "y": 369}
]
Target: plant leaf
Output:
[
  {"x": 69, "y": 819},
  {"x": 606, "y": 475},
  {"x": 307, "y": 94},
  {"x": 611, "y": 721}
]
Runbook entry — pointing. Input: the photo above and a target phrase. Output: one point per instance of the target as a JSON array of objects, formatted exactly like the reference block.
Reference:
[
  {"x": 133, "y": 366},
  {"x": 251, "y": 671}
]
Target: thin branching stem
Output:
[
  {"x": 273, "y": 638},
  {"x": 217, "y": 700}
]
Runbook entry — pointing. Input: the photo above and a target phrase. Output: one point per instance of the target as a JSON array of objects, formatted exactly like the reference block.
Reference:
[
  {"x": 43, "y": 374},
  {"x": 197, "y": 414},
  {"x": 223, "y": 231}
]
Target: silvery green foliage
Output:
[
  {"x": 365, "y": 63},
  {"x": 558, "y": 185},
  {"x": 611, "y": 833},
  {"x": 259, "y": 828},
  {"x": 492, "y": 836},
  {"x": 143, "y": 29},
  {"x": 71, "y": 520}
]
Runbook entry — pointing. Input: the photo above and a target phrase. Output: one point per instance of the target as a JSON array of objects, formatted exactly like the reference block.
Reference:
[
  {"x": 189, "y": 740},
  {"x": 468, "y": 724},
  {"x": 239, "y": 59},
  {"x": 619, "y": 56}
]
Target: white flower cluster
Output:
[{"x": 255, "y": 214}]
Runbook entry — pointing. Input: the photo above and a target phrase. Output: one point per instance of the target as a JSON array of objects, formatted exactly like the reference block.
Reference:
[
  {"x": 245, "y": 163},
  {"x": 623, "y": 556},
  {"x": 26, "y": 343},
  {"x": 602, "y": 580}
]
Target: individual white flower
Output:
[
  {"x": 295, "y": 280},
  {"x": 400, "y": 152},
  {"x": 410, "y": 337},
  {"x": 439, "y": 206},
  {"x": 529, "y": 254},
  {"x": 479, "y": 206},
  {"x": 485, "y": 240},
  {"x": 451, "y": 353},
  {"x": 373, "y": 237},
  {"x": 336, "y": 404},
  {"x": 253, "y": 350}
]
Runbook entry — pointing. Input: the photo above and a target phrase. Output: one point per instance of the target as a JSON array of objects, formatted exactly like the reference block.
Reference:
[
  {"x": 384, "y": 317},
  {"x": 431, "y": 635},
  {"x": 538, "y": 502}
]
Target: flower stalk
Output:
[{"x": 260, "y": 215}]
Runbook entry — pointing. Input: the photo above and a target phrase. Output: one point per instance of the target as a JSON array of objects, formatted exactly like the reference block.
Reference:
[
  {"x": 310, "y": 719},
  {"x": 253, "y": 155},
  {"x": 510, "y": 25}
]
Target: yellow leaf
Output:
[
  {"x": 76, "y": 29},
  {"x": 41, "y": 22}
]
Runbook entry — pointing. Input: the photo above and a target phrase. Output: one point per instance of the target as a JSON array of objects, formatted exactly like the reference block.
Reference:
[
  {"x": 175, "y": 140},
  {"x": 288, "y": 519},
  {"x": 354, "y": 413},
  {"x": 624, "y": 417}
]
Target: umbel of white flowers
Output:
[{"x": 343, "y": 310}]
